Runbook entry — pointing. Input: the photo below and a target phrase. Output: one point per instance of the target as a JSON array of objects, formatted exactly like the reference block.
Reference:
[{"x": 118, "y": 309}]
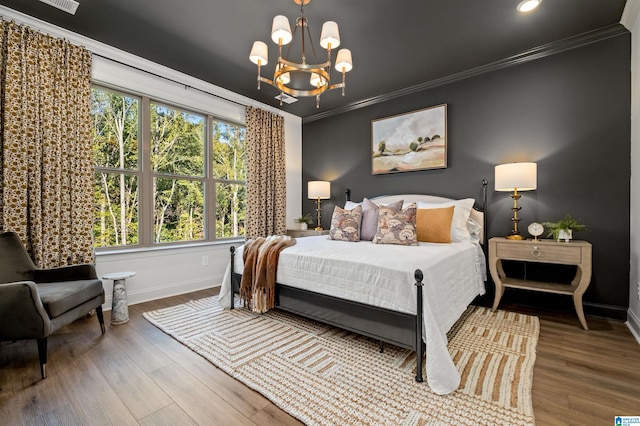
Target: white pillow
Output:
[
  {"x": 461, "y": 212},
  {"x": 350, "y": 205},
  {"x": 474, "y": 229}
]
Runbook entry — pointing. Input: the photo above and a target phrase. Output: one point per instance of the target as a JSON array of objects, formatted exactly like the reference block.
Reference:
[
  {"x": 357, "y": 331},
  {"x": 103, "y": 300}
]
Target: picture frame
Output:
[{"x": 410, "y": 141}]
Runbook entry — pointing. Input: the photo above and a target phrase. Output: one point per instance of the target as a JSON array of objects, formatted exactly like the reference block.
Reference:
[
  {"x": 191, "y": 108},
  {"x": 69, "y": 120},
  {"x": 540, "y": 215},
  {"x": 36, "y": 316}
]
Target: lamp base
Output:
[
  {"x": 318, "y": 228},
  {"x": 514, "y": 237}
]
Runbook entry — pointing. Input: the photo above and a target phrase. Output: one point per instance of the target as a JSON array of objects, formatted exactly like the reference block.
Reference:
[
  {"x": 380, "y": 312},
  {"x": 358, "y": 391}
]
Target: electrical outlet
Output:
[
  {"x": 205, "y": 260},
  {"x": 638, "y": 290}
]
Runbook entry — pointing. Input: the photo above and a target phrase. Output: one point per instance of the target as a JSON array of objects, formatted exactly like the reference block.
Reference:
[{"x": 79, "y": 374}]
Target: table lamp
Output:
[
  {"x": 319, "y": 190},
  {"x": 516, "y": 177}
]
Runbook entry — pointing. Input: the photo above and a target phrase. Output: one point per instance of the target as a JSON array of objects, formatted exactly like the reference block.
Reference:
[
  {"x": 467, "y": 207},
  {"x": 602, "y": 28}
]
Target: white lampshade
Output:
[
  {"x": 316, "y": 80},
  {"x": 520, "y": 176},
  {"x": 281, "y": 30},
  {"x": 343, "y": 60},
  {"x": 330, "y": 35},
  {"x": 286, "y": 77},
  {"x": 319, "y": 189},
  {"x": 259, "y": 53}
]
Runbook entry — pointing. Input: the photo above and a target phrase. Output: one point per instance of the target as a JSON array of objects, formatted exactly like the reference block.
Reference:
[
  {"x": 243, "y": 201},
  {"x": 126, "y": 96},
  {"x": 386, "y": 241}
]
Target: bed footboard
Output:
[
  {"x": 419, "y": 344},
  {"x": 396, "y": 328}
]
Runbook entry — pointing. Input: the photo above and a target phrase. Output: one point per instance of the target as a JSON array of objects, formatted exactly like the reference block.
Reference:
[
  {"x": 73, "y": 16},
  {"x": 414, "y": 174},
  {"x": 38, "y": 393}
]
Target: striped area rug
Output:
[{"x": 323, "y": 375}]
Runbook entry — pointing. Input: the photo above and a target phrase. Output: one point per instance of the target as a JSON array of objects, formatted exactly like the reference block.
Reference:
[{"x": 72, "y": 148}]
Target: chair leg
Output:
[
  {"x": 100, "y": 318},
  {"x": 42, "y": 354}
]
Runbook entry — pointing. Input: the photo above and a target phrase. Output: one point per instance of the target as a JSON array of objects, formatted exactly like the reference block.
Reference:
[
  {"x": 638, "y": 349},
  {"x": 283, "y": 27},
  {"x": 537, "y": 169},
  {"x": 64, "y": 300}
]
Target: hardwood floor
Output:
[{"x": 136, "y": 374}]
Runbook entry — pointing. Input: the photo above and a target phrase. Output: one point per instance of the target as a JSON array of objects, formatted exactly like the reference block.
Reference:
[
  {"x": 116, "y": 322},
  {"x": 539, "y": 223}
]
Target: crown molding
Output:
[{"x": 536, "y": 53}]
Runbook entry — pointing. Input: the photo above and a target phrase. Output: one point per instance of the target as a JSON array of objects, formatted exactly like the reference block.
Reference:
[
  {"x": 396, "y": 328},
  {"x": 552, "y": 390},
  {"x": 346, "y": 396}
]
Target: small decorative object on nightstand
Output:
[
  {"x": 563, "y": 229},
  {"x": 535, "y": 230},
  {"x": 297, "y": 233},
  {"x": 543, "y": 251},
  {"x": 304, "y": 221}
]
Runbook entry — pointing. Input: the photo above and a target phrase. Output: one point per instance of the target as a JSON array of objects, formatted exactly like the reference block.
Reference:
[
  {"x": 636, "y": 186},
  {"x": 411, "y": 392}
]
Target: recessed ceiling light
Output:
[{"x": 528, "y": 5}]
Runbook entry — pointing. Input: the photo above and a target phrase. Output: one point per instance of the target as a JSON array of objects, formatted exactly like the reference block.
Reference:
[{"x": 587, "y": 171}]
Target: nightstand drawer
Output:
[{"x": 564, "y": 253}]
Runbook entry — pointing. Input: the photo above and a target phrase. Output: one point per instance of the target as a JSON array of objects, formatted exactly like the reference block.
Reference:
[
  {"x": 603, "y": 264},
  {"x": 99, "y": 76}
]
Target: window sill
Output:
[{"x": 115, "y": 251}]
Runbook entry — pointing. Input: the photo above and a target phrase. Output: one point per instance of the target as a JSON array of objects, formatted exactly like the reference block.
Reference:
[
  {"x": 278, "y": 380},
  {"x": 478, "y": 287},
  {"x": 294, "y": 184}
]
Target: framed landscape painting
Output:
[{"x": 412, "y": 141}]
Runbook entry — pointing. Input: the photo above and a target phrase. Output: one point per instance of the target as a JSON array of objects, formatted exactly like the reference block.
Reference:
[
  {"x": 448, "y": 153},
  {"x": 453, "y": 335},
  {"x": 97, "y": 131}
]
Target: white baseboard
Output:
[
  {"x": 633, "y": 322},
  {"x": 174, "y": 289}
]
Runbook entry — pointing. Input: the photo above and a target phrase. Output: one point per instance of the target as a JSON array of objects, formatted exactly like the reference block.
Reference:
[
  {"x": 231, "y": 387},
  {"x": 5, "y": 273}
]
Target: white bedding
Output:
[{"x": 383, "y": 275}]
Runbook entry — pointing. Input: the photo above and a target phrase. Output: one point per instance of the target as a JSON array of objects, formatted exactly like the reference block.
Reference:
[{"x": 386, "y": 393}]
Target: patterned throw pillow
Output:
[
  {"x": 397, "y": 227},
  {"x": 345, "y": 224}
]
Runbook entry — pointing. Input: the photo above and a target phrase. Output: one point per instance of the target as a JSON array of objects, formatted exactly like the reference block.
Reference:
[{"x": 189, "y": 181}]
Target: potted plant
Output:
[
  {"x": 304, "y": 221},
  {"x": 564, "y": 228}
]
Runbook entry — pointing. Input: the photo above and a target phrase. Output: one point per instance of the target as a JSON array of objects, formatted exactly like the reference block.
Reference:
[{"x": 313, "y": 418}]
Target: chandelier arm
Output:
[
  {"x": 336, "y": 86},
  {"x": 259, "y": 76},
  {"x": 313, "y": 49},
  {"x": 266, "y": 80},
  {"x": 293, "y": 37},
  {"x": 304, "y": 23}
]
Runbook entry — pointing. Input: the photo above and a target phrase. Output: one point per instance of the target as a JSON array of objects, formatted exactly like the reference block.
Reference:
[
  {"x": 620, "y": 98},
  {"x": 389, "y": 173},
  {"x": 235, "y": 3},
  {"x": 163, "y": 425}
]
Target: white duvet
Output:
[{"x": 383, "y": 275}]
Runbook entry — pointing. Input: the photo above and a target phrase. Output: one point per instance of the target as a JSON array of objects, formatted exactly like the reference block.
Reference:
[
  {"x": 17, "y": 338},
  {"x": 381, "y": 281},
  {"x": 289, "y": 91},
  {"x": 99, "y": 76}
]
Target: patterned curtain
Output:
[
  {"x": 46, "y": 173},
  {"x": 266, "y": 185}
]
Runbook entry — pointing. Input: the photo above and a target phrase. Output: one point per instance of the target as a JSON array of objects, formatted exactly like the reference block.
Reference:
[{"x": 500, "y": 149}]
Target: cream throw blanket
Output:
[{"x": 260, "y": 256}]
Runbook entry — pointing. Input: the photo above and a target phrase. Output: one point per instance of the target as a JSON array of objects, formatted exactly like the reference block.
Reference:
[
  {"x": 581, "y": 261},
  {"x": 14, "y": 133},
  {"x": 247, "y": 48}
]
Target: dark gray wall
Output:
[{"x": 569, "y": 112}]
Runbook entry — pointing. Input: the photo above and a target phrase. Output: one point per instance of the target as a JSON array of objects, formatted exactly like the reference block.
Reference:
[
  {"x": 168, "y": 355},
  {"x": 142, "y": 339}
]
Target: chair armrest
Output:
[
  {"x": 22, "y": 315},
  {"x": 65, "y": 273}
]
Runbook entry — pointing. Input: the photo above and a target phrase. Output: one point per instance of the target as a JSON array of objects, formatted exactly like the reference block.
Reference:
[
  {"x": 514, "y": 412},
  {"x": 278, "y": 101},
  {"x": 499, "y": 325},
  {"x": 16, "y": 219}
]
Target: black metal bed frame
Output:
[{"x": 385, "y": 325}]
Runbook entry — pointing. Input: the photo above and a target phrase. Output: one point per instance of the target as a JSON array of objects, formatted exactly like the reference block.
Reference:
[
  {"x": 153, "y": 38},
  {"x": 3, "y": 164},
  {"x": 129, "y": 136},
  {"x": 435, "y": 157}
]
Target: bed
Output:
[{"x": 409, "y": 296}]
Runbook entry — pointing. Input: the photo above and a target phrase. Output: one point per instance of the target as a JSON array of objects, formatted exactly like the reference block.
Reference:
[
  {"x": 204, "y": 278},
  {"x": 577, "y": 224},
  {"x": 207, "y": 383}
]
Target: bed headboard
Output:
[{"x": 477, "y": 213}]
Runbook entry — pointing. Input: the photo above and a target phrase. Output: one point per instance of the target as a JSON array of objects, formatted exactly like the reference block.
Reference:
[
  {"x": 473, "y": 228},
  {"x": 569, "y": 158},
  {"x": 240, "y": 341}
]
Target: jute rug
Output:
[{"x": 327, "y": 376}]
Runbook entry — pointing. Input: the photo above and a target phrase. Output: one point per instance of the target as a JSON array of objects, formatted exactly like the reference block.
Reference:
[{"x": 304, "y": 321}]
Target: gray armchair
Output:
[{"x": 34, "y": 303}]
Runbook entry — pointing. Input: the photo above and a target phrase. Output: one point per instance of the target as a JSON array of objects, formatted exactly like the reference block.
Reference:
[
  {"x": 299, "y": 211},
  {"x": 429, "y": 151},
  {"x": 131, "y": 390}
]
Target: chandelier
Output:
[{"x": 309, "y": 79}]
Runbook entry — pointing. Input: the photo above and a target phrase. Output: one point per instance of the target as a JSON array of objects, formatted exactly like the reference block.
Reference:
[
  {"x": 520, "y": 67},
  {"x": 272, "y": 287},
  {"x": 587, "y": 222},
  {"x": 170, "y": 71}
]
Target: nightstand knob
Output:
[{"x": 536, "y": 252}]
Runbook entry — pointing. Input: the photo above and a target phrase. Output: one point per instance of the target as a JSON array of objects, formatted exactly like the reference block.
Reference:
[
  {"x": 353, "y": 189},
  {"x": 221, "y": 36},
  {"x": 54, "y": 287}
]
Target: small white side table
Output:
[{"x": 119, "y": 308}]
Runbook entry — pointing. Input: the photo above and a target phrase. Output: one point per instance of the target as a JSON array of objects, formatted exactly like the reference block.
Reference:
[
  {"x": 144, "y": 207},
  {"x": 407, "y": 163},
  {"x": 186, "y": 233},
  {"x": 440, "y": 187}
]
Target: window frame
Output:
[{"x": 146, "y": 175}]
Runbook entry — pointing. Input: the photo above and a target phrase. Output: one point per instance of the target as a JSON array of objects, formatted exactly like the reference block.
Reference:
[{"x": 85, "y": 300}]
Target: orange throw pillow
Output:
[{"x": 434, "y": 225}]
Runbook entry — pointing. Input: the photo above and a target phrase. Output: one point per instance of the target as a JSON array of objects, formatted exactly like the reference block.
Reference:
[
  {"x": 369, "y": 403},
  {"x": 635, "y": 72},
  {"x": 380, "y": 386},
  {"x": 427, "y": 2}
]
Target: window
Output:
[
  {"x": 115, "y": 132},
  {"x": 184, "y": 180},
  {"x": 177, "y": 161},
  {"x": 229, "y": 172}
]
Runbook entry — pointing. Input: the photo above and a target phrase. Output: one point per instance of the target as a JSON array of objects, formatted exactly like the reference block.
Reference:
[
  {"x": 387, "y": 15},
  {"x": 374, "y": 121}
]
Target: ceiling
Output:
[{"x": 395, "y": 44}]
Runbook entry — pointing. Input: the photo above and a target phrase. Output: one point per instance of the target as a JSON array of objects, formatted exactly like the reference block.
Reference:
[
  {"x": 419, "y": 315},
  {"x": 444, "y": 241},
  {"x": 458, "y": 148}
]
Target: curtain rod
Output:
[{"x": 186, "y": 86}]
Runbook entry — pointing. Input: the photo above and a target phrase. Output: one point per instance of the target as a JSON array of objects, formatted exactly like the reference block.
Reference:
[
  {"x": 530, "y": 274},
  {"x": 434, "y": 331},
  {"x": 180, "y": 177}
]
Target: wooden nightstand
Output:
[
  {"x": 297, "y": 233},
  {"x": 543, "y": 251}
]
